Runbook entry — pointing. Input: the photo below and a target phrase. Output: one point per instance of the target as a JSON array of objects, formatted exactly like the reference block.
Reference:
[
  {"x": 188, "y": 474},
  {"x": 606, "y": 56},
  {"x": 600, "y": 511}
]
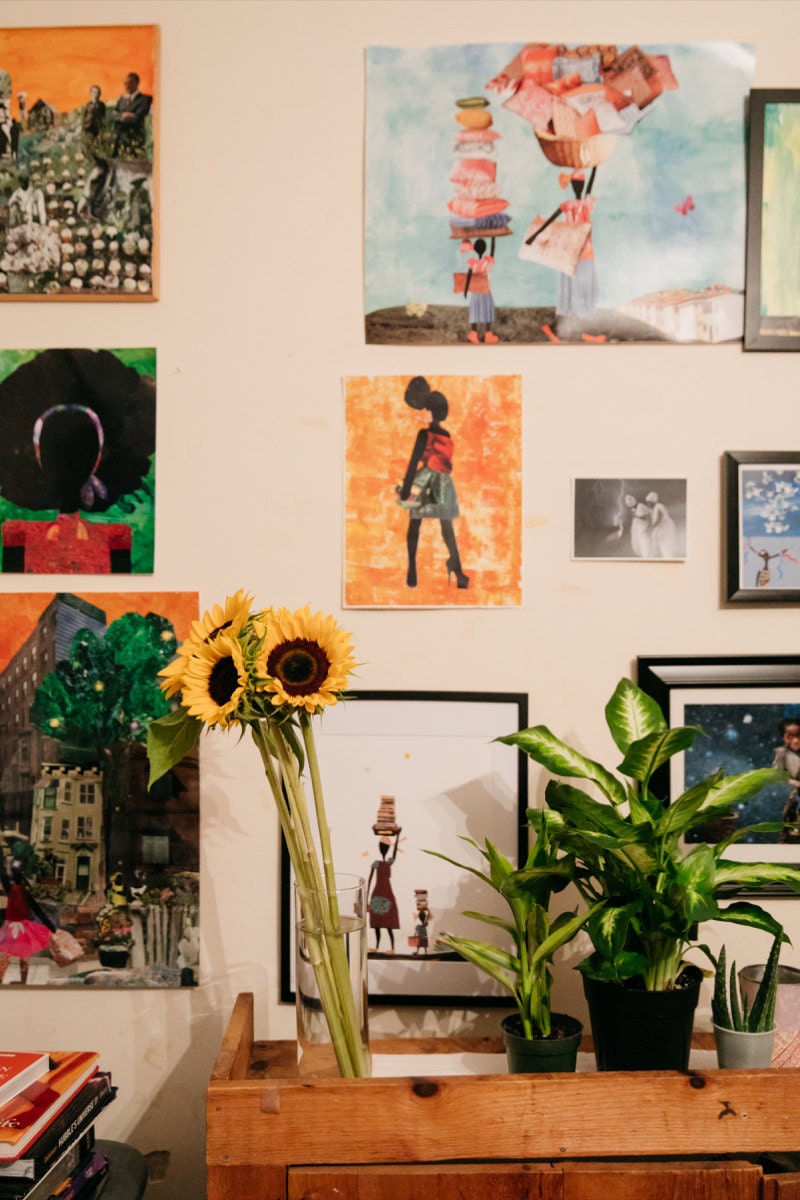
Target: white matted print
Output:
[
  {"x": 629, "y": 518},
  {"x": 429, "y": 763}
]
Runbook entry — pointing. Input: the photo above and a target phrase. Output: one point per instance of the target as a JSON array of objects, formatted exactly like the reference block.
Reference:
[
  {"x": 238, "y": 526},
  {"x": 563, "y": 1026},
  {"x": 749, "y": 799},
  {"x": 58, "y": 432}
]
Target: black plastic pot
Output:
[
  {"x": 535, "y": 1055},
  {"x": 635, "y": 1030}
]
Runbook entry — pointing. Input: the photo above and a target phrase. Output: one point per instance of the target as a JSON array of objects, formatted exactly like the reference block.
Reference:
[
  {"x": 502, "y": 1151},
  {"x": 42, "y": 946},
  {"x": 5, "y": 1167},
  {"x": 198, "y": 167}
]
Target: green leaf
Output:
[
  {"x": 631, "y": 715},
  {"x": 499, "y": 866},
  {"x": 651, "y": 752},
  {"x": 488, "y": 958},
  {"x": 738, "y": 789},
  {"x": 169, "y": 740},
  {"x": 559, "y": 936},
  {"x": 680, "y": 815},
  {"x": 608, "y": 929},
  {"x": 742, "y": 912},
  {"x": 625, "y": 966},
  {"x": 696, "y": 875},
  {"x": 498, "y": 922},
  {"x": 462, "y": 866},
  {"x": 560, "y": 759},
  {"x": 583, "y": 814},
  {"x": 760, "y": 874}
]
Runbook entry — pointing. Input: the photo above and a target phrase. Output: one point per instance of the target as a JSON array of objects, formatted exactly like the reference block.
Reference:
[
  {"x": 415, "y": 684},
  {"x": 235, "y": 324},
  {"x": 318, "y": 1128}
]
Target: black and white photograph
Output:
[{"x": 628, "y": 518}]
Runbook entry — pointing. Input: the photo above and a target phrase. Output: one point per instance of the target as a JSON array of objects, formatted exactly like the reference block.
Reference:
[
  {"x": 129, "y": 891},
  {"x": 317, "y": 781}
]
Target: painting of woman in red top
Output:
[{"x": 428, "y": 489}]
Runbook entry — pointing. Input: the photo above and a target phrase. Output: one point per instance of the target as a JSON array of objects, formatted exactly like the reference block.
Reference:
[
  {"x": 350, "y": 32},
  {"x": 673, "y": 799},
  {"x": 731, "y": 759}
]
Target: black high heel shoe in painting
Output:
[
  {"x": 454, "y": 568},
  {"x": 411, "y": 577}
]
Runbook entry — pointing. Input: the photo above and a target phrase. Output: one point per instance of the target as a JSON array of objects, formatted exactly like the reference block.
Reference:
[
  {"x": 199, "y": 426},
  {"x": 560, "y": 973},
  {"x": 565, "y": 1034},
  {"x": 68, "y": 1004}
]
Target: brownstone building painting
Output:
[{"x": 87, "y": 851}]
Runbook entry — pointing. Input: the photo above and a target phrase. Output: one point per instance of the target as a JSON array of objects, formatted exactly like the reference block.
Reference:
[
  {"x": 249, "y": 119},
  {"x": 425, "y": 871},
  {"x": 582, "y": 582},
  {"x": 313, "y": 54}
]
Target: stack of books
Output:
[{"x": 48, "y": 1106}]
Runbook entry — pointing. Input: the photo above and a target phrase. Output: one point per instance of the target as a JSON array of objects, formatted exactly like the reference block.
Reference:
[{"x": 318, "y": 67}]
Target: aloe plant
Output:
[
  {"x": 627, "y": 847},
  {"x": 726, "y": 1009},
  {"x": 535, "y": 936}
]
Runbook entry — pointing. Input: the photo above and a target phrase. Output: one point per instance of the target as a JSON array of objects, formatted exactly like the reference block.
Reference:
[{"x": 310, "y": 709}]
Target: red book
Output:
[
  {"x": 23, "y": 1118},
  {"x": 17, "y": 1070}
]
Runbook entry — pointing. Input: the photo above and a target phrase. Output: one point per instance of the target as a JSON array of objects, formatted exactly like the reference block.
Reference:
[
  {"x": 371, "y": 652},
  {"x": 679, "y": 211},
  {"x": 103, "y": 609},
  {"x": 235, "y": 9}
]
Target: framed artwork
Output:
[
  {"x": 77, "y": 461},
  {"x": 749, "y": 710},
  {"x": 433, "y": 491},
  {"x": 762, "y": 525},
  {"x": 78, "y": 163},
  {"x": 772, "y": 306},
  {"x": 552, "y": 193},
  {"x": 102, "y": 870},
  {"x": 406, "y": 772},
  {"x": 635, "y": 519}
]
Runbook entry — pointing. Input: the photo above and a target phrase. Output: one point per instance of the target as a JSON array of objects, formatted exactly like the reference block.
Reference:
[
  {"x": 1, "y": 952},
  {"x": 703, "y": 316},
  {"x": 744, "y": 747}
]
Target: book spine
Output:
[
  {"x": 96, "y": 1166},
  {"x": 68, "y": 1126},
  {"x": 61, "y": 1170}
]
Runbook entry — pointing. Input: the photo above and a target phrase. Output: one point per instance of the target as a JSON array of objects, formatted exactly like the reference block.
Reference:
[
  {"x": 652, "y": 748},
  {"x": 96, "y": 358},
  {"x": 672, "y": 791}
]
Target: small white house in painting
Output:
[{"x": 714, "y": 315}]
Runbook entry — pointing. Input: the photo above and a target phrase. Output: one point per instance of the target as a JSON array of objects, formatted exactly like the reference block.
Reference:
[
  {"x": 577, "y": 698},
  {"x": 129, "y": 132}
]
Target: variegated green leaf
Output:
[
  {"x": 651, "y": 752},
  {"x": 631, "y": 715},
  {"x": 760, "y": 874},
  {"x": 549, "y": 751}
]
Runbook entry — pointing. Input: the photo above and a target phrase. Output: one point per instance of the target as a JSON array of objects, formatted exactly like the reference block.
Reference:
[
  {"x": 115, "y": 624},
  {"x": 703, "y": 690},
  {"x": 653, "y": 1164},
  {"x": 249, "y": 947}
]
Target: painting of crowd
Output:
[{"x": 76, "y": 193}]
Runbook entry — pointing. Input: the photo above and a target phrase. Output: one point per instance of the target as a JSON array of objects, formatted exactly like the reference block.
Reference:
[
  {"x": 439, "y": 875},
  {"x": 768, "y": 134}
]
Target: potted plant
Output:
[
  {"x": 113, "y": 943},
  {"x": 627, "y": 848},
  {"x": 744, "y": 1031},
  {"x": 535, "y": 1038}
]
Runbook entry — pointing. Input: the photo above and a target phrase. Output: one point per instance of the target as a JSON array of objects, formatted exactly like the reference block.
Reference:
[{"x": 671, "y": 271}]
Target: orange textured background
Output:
[
  {"x": 484, "y": 422},
  {"x": 59, "y": 65},
  {"x": 19, "y": 612}
]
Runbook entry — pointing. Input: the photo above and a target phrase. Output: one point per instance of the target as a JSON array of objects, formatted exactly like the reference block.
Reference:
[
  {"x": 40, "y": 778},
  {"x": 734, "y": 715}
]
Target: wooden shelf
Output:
[{"x": 263, "y": 1120}]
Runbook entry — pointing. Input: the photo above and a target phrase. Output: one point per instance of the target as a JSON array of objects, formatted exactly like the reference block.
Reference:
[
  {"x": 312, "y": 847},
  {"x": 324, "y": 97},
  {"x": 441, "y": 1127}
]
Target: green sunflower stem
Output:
[
  {"x": 284, "y": 814},
  {"x": 319, "y": 805},
  {"x": 325, "y": 938}
]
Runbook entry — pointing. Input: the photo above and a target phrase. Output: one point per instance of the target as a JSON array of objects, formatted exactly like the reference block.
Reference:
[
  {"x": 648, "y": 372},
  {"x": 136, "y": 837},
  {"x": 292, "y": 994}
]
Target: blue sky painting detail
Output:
[{"x": 665, "y": 207}]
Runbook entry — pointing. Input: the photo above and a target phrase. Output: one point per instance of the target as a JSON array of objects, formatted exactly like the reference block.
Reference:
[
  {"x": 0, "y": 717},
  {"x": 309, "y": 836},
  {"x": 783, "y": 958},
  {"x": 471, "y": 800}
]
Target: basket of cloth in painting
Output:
[
  {"x": 559, "y": 246},
  {"x": 64, "y": 948},
  {"x": 576, "y": 152}
]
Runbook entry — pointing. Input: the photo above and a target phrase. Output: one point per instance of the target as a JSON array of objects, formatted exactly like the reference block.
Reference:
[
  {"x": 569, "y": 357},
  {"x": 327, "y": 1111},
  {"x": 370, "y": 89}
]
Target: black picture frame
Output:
[
  {"x": 373, "y": 744},
  {"x": 770, "y": 518},
  {"x": 764, "y": 685},
  {"x": 761, "y": 330}
]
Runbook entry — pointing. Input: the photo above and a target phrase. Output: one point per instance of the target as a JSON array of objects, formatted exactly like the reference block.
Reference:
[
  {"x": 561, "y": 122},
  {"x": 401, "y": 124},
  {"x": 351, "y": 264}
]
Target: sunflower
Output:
[
  {"x": 214, "y": 680},
  {"x": 305, "y": 659},
  {"x": 230, "y": 619}
]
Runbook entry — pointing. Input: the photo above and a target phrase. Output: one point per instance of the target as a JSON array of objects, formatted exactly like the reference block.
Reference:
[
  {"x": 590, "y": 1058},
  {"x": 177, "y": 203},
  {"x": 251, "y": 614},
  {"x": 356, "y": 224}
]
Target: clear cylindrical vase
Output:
[{"x": 331, "y": 979}]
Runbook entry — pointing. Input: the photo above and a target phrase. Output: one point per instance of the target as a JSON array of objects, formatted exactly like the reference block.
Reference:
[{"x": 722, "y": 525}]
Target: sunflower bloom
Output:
[
  {"x": 305, "y": 658},
  {"x": 214, "y": 680},
  {"x": 230, "y": 619}
]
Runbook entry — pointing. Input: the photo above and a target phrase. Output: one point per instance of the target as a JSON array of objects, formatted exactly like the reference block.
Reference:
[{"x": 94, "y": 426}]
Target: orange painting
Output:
[
  {"x": 433, "y": 481},
  {"x": 79, "y": 112},
  {"x": 22, "y": 610},
  {"x": 59, "y": 65}
]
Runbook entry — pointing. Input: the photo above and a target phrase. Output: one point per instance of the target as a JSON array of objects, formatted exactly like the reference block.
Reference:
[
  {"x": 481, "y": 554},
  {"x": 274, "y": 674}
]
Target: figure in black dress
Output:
[{"x": 428, "y": 489}]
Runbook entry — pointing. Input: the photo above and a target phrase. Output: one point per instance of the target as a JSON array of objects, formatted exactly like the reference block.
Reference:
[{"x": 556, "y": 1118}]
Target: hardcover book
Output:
[
  {"x": 71, "y": 1122},
  {"x": 25, "y": 1117},
  {"x": 17, "y": 1070},
  {"x": 59, "y": 1174}
]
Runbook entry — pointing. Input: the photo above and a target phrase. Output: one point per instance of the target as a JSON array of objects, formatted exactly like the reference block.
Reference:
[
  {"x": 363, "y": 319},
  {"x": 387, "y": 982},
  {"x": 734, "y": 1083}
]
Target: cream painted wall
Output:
[{"x": 261, "y": 314}]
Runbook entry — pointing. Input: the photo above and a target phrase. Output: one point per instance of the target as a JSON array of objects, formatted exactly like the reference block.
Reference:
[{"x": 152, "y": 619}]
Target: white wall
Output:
[{"x": 261, "y": 314}]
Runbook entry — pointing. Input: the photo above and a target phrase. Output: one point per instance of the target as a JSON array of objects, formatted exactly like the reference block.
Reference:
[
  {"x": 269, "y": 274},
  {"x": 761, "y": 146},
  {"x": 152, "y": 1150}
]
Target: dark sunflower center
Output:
[
  {"x": 223, "y": 681},
  {"x": 299, "y": 665}
]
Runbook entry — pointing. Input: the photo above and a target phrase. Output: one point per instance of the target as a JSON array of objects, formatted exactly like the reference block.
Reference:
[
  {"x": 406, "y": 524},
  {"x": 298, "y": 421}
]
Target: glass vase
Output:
[{"x": 331, "y": 979}]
